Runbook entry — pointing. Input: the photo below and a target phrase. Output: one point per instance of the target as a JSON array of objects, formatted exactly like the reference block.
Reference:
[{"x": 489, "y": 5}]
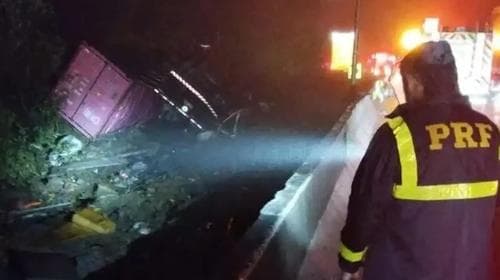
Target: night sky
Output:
[{"x": 382, "y": 21}]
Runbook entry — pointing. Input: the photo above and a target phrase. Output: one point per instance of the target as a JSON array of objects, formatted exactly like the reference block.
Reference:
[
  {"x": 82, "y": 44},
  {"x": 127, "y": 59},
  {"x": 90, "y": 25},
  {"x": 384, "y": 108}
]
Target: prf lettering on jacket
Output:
[{"x": 477, "y": 135}]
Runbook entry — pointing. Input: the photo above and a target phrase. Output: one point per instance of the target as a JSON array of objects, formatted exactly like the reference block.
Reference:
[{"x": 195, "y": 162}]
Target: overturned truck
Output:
[{"x": 96, "y": 97}]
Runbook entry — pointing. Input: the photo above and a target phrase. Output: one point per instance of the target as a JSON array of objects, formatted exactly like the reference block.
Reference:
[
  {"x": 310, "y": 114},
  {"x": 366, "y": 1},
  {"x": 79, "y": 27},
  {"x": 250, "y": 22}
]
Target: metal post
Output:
[{"x": 356, "y": 43}]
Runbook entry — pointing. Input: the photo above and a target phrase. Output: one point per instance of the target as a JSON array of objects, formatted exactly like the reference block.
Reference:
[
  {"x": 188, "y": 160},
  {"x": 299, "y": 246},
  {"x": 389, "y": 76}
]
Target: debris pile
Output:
[{"x": 97, "y": 198}]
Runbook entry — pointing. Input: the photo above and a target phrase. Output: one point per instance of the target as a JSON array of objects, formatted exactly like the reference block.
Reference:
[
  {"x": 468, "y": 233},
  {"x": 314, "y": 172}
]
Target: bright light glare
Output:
[
  {"x": 342, "y": 51},
  {"x": 431, "y": 29},
  {"x": 478, "y": 100},
  {"x": 382, "y": 63},
  {"x": 381, "y": 56},
  {"x": 431, "y": 25},
  {"x": 496, "y": 41},
  {"x": 256, "y": 151},
  {"x": 411, "y": 39},
  {"x": 496, "y": 30}
]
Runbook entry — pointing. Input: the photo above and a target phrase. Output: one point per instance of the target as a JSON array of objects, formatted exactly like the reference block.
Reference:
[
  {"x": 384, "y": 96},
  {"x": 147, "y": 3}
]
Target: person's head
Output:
[{"x": 429, "y": 74}]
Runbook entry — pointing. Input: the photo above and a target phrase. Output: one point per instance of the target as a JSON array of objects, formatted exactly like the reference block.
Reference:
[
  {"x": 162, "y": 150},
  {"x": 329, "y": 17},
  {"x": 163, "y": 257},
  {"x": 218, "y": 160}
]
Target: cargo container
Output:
[{"x": 96, "y": 97}]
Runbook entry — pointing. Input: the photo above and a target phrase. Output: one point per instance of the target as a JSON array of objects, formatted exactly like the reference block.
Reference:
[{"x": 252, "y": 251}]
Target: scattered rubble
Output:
[
  {"x": 97, "y": 198},
  {"x": 139, "y": 166},
  {"x": 142, "y": 228},
  {"x": 66, "y": 147},
  {"x": 44, "y": 211}
]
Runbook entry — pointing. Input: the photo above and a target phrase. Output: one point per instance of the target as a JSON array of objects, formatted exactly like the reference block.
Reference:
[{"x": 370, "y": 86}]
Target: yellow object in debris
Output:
[
  {"x": 71, "y": 231},
  {"x": 92, "y": 220}
]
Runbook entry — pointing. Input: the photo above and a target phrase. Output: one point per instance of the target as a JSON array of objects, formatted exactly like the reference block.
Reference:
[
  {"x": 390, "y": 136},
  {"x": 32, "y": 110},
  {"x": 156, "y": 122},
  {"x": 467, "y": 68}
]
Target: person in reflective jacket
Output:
[{"x": 423, "y": 198}]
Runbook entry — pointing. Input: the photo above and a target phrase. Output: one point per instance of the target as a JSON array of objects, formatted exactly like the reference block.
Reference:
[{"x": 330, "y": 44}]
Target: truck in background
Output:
[{"x": 477, "y": 57}]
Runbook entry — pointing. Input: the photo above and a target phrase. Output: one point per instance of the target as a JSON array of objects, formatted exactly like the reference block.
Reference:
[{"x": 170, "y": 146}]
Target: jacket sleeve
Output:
[{"x": 371, "y": 192}]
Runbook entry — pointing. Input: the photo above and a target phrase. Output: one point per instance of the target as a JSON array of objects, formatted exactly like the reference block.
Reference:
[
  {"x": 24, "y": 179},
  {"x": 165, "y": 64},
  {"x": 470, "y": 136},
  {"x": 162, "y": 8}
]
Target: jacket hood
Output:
[{"x": 434, "y": 65}]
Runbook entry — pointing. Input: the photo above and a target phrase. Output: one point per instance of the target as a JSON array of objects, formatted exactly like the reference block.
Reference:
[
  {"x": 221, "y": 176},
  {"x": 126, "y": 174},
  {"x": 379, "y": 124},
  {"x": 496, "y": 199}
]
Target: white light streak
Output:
[{"x": 194, "y": 91}]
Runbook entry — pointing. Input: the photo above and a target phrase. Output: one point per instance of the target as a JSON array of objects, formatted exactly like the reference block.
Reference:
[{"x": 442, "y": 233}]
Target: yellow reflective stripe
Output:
[
  {"x": 407, "y": 156},
  {"x": 410, "y": 190},
  {"x": 447, "y": 192},
  {"x": 351, "y": 256}
]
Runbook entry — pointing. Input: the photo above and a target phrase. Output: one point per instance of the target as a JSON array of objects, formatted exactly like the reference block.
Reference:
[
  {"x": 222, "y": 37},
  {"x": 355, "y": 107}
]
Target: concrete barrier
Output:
[
  {"x": 296, "y": 235},
  {"x": 275, "y": 246}
]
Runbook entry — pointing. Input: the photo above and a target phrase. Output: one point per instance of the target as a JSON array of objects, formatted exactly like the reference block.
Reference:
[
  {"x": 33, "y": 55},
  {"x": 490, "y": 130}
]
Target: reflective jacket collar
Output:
[{"x": 403, "y": 109}]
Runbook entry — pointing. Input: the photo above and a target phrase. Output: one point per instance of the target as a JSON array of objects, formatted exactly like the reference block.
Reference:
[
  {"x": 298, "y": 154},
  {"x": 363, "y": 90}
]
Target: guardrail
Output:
[{"x": 275, "y": 246}]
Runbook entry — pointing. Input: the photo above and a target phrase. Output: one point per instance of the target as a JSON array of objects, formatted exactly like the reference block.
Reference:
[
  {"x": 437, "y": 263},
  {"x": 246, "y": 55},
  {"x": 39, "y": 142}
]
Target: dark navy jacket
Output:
[{"x": 424, "y": 240}]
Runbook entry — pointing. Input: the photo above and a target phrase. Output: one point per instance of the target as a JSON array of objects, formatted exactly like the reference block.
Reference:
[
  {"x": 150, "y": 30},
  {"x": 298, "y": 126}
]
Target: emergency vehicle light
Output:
[{"x": 411, "y": 39}]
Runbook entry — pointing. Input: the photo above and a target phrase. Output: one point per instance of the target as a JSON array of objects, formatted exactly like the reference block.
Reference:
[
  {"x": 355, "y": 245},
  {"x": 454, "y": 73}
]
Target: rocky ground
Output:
[
  {"x": 150, "y": 183},
  {"x": 129, "y": 177}
]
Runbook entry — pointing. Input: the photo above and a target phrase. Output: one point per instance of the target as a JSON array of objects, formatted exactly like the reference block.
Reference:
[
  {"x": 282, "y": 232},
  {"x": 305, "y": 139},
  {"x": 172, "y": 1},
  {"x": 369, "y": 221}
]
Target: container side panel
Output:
[
  {"x": 78, "y": 79},
  {"x": 100, "y": 103}
]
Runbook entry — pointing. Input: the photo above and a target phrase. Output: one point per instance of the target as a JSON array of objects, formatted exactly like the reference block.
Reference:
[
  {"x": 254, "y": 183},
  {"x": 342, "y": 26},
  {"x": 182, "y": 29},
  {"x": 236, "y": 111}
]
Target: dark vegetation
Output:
[{"x": 31, "y": 55}]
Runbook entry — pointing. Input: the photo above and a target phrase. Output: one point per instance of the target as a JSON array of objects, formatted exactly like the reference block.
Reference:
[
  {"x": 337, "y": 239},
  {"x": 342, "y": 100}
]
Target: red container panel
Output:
[
  {"x": 140, "y": 104},
  {"x": 97, "y": 98},
  {"x": 79, "y": 78},
  {"x": 101, "y": 100}
]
